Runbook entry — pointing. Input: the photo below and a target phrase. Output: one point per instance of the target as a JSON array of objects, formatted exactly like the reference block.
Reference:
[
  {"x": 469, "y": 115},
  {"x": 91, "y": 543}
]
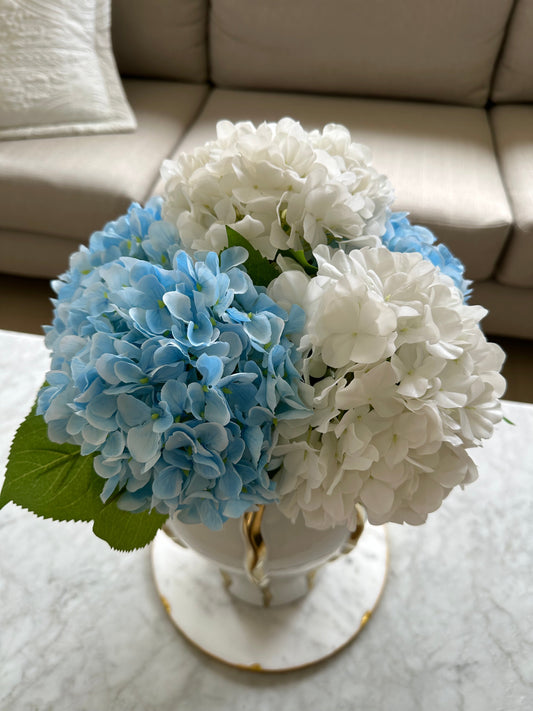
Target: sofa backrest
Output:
[
  {"x": 161, "y": 39},
  {"x": 513, "y": 81},
  {"x": 412, "y": 49}
]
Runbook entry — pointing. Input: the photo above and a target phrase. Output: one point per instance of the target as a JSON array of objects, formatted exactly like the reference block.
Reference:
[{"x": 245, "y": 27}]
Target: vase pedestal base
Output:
[{"x": 341, "y": 599}]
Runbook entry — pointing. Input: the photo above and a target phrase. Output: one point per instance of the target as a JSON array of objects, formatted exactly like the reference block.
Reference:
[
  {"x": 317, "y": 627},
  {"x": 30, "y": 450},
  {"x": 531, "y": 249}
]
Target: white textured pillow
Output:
[{"x": 57, "y": 71}]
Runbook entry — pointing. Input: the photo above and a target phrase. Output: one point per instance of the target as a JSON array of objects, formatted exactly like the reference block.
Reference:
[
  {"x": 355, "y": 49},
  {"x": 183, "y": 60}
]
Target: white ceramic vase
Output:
[
  {"x": 264, "y": 558},
  {"x": 268, "y": 595}
]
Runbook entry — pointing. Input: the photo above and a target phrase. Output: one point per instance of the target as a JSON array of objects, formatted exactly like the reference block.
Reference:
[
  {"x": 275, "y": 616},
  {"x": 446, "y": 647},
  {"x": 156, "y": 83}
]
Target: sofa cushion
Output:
[
  {"x": 162, "y": 39},
  {"x": 513, "y": 134},
  {"x": 66, "y": 188},
  {"x": 440, "y": 160},
  {"x": 514, "y": 75},
  {"x": 414, "y": 49},
  {"x": 509, "y": 309}
]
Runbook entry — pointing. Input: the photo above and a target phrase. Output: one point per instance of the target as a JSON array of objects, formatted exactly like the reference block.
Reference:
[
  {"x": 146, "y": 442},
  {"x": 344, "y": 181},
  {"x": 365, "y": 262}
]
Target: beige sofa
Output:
[{"x": 442, "y": 92}]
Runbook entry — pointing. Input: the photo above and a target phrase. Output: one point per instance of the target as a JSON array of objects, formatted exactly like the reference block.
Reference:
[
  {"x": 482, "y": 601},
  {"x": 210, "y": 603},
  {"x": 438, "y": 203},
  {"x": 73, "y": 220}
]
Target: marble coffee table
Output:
[{"x": 82, "y": 627}]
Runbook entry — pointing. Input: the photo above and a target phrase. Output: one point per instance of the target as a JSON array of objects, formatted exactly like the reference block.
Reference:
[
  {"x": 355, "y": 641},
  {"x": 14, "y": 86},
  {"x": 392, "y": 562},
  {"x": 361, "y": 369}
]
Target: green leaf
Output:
[
  {"x": 299, "y": 256},
  {"x": 509, "y": 422},
  {"x": 52, "y": 480},
  {"x": 56, "y": 481},
  {"x": 260, "y": 270},
  {"x": 126, "y": 531}
]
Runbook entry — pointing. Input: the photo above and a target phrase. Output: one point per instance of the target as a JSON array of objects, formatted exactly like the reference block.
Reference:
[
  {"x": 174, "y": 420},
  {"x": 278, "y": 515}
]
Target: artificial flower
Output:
[
  {"x": 404, "y": 383},
  {"x": 279, "y": 186},
  {"x": 172, "y": 370},
  {"x": 359, "y": 375}
]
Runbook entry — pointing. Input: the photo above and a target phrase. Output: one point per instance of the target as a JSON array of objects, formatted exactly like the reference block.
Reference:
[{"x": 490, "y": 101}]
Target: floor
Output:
[{"x": 25, "y": 306}]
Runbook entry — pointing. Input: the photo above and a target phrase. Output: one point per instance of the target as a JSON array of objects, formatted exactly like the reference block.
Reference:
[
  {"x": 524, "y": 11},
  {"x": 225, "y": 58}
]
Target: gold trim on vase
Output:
[
  {"x": 354, "y": 536},
  {"x": 227, "y": 580},
  {"x": 255, "y": 555}
]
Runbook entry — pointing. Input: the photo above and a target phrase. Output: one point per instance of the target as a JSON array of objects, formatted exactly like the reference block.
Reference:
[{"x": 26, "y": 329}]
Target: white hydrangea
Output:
[
  {"x": 406, "y": 384},
  {"x": 279, "y": 186}
]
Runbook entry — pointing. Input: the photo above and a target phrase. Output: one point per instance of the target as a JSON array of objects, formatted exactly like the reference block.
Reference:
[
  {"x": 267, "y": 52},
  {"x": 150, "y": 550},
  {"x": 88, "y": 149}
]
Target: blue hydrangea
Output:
[
  {"x": 172, "y": 370},
  {"x": 401, "y": 236}
]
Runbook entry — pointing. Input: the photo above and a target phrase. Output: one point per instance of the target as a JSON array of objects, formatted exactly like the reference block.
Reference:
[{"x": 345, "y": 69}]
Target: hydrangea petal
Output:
[{"x": 142, "y": 442}]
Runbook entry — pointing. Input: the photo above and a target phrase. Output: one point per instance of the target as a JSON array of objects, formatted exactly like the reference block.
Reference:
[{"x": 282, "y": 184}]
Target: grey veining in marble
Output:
[{"x": 82, "y": 628}]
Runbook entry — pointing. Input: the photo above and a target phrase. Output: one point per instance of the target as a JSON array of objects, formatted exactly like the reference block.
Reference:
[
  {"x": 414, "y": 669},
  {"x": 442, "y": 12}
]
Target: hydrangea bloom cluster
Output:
[
  {"x": 359, "y": 376},
  {"x": 174, "y": 370},
  {"x": 404, "y": 383},
  {"x": 279, "y": 186},
  {"x": 284, "y": 188}
]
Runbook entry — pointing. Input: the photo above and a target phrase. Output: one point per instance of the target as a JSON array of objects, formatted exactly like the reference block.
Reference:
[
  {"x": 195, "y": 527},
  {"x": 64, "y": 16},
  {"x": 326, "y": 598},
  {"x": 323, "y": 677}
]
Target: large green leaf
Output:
[
  {"x": 260, "y": 270},
  {"x": 126, "y": 531},
  {"x": 52, "y": 480},
  {"x": 55, "y": 481}
]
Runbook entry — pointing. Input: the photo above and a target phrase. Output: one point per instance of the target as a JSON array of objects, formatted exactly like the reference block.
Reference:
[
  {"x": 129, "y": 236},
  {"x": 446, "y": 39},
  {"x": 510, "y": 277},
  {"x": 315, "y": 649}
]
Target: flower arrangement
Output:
[{"x": 268, "y": 331}]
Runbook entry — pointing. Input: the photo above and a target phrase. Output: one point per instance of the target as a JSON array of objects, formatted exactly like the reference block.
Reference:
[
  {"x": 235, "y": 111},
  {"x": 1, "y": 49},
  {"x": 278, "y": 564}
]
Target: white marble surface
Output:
[{"x": 81, "y": 626}]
